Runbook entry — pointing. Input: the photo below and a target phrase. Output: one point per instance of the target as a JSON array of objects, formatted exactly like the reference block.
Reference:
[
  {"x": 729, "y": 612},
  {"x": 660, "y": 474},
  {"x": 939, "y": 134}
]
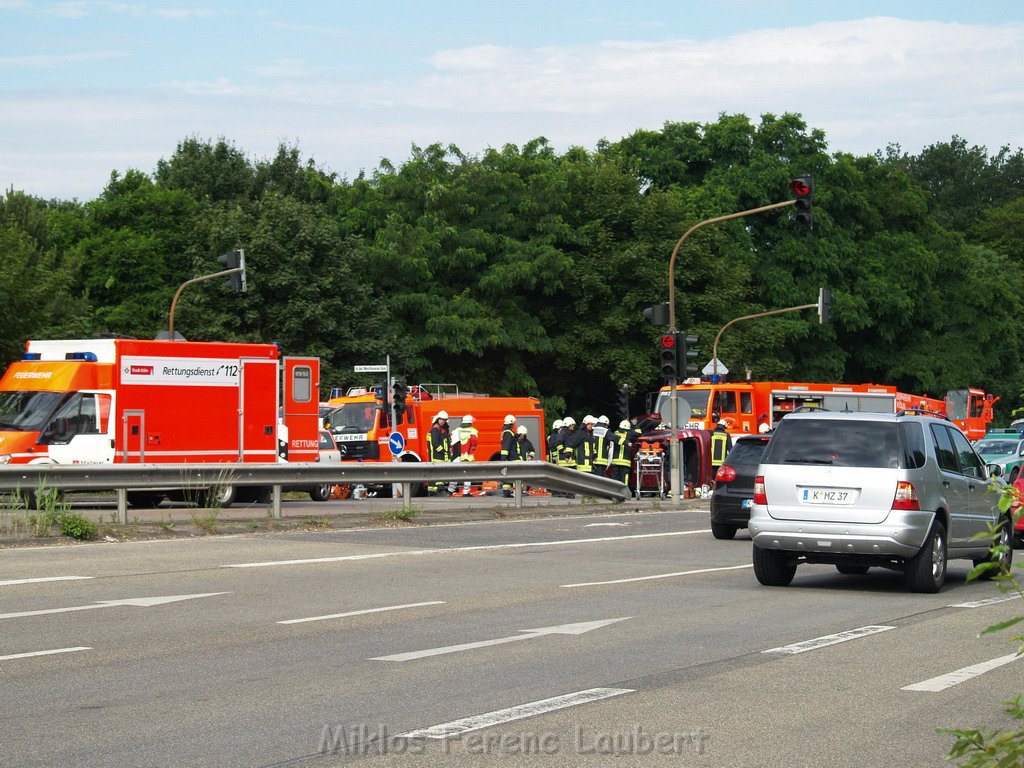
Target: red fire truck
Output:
[
  {"x": 746, "y": 405},
  {"x": 134, "y": 401},
  {"x": 361, "y": 422}
]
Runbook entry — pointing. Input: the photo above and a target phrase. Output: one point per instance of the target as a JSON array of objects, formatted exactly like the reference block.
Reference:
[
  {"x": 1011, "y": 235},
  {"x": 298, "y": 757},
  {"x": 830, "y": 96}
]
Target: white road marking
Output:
[
  {"x": 986, "y": 601},
  {"x": 821, "y": 642},
  {"x": 657, "y": 576},
  {"x": 520, "y": 712},
  {"x": 481, "y": 548},
  {"x": 12, "y": 582},
  {"x": 45, "y": 653},
  {"x": 525, "y": 634},
  {"x": 361, "y": 613},
  {"x": 942, "y": 682},
  {"x": 143, "y": 602},
  {"x": 605, "y": 525}
]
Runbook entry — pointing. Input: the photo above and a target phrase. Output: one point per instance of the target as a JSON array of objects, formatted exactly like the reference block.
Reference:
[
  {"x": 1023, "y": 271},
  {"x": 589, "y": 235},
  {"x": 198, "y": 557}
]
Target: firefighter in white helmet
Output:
[
  {"x": 508, "y": 439},
  {"x": 602, "y": 432},
  {"x": 524, "y": 447},
  {"x": 465, "y": 440},
  {"x": 621, "y": 444}
]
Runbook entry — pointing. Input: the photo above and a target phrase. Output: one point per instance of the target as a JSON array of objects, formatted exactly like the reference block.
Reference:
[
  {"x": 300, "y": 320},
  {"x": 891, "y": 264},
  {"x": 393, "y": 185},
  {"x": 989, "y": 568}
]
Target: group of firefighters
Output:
[{"x": 593, "y": 448}]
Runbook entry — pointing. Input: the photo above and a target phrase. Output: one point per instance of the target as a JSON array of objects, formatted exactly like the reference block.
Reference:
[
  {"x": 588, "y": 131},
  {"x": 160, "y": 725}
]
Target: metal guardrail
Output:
[{"x": 125, "y": 477}]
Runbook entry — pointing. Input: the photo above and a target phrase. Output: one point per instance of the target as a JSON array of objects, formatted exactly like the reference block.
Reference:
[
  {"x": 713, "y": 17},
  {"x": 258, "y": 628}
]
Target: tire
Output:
[
  {"x": 321, "y": 492},
  {"x": 144, "y": 499},
  {"x": 221, "y": 496},
  {"x": 852, "y": 570},
  {"x": 773, "y": 567},
  {"x": 723, "y": 531},
  {"x": 926, "y": 571},
  {"x": 1005, "y": 539},
  {"x": 1013, "y": 475}
]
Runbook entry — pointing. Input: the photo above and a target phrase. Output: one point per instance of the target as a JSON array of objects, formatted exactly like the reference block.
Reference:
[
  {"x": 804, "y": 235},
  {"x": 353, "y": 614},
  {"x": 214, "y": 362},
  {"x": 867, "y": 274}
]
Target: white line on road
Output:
[
  {"x": 45, "y": 653},
  {"x": 605, "y": 525},
  {"x": 821, "y": 642},
  {"x": 481, "y": 548},
  {"x": 142, "y": 602},
  {"x": 362, "y": 612},
  {"x": 12, "y": 582},
  {"x": 578, "y": 628},
  {"x": 942, "y": 682},
  {"x": 986, "y": 601},
  {"x": 657, "y": 576},
  {"x": 520, "y": 712}
]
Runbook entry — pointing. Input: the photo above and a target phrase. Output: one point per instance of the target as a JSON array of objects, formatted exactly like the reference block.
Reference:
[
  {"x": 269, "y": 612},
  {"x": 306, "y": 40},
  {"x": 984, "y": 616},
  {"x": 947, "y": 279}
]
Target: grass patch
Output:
[
  {"x": 403, "y": 514},
  {"x": 206, "y": 523},
  {"x": 315, "y": 522}
]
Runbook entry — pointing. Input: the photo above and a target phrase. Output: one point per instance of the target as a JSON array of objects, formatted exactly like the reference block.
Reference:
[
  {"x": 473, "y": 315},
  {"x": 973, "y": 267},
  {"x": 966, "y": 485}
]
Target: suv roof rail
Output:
[{"x": 922, "y": 412}]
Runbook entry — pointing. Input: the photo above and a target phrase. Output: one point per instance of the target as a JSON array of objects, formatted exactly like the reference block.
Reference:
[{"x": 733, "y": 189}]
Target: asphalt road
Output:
[{"x": 589, "y": 640}]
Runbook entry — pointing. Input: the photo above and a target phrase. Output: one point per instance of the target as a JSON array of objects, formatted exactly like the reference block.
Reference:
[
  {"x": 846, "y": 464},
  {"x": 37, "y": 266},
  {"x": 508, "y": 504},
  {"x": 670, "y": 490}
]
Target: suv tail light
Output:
[
  {"x": 725, "y": 474},
  {"x": 759, "y": 494},
  {"x": 906, "y": 496}
]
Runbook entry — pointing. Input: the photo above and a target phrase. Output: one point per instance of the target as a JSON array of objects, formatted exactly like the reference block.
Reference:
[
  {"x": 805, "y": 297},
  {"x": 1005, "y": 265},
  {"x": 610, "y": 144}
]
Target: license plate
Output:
[
  {"x": 828, "y": 496},
  {"x": 747, "y": 504}
]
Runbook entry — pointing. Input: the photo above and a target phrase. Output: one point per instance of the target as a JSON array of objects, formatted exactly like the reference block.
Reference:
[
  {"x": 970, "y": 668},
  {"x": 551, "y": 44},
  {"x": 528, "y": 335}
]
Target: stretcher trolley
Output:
[{"x": 650, "y": 471}]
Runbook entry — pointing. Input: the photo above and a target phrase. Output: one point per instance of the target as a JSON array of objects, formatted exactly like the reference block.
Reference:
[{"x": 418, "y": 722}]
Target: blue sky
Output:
[{"x": 88, "y": 86}]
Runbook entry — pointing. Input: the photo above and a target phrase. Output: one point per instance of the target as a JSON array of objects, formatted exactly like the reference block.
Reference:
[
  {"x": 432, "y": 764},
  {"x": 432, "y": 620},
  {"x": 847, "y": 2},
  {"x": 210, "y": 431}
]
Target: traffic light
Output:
[
  {"x": 803, "y": 191},
  {"x": 400, "y": 391},
  {"x": 824, "y": 305},
  {"x": 669, "y": 359},
  {"x": 657, "y": 314},
  {"x": 688, "y": 353},
  {"x": 624, "y": 402},
  {"x": 235, "y": 260}
]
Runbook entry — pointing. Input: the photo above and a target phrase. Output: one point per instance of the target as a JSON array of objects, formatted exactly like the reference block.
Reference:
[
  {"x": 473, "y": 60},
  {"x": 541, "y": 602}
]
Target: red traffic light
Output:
[
  {"x": 668, "y": 341},
  {"x": 801, "y": 187}
]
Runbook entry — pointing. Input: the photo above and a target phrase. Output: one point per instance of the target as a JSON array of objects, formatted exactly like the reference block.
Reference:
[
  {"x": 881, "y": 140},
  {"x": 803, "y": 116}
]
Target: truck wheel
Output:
[
  {"x": 773, "y": 568},
  {"x": 926, "y": 571},
  {"x": 1005, "y": 559},
  {"x": 321, "y": 492},
  {"x": 221, "y": 496},
  {"x": 723, "y": 531}
]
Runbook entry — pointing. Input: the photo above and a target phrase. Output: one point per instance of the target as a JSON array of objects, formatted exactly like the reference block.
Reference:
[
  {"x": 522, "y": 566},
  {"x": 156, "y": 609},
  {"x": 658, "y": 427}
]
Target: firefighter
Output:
[
  {"x": 524, "y": 447},
  {"x": 620, "y": 451},
  {"x": 556, "y": 429},
  {"x": 464, "y": 445},
  {"x": 440, "y": 445},
  {"x": 509, "y": 447},
  {"x": 566, "y": 454},
  {"x": 602, "y": 432},
  {"x": 721, "y": 443},
  {"x": 582, "y": 443}
]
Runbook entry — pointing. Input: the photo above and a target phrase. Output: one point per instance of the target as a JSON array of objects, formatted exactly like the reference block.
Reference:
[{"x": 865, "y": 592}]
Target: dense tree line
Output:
[{"x": 525, "y": 271}]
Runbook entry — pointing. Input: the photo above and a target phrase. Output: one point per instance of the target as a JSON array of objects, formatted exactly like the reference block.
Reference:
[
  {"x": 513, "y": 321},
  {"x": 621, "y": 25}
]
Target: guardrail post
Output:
[
  {"x": 406, "y": 493},
  {"x": 122, "y": 506},
  {"x": 275, "y": 510},
  {"x": 519, "y": 493}
]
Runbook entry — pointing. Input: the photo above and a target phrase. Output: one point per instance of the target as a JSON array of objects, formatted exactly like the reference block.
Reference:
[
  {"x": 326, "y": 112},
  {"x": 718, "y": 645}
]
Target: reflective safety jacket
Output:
[
  {"x": 466, "y": 440},
  {"x": 721, "y": 442},
  {"x": 582, "y": 442},
  {"x": 620, "y": 444},
  {"x": 524, "y": 449},
  {"x": 508, "y": 443}
]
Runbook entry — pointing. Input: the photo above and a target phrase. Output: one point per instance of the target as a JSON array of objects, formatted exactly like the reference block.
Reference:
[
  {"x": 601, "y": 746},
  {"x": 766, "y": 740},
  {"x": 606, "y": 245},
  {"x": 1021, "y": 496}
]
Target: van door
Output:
[
  {"x": 257, "y": 410},
  {"x": 301, "y": 407}
]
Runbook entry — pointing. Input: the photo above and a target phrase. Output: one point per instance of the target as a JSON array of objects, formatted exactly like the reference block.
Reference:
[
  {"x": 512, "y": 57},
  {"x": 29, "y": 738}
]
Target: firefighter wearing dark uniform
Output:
[
  {"x": 566, "y": 453},
  {"x": 620, "y": 450},
  {"x": 582, "y": 443},
  {"x": 721, "y": 442},
  {"x": 439, "y": 444},
  {"x": 602, "y": 432},
  {"x": 509, "y": 447},
  {"x": 553, "y": 442}
]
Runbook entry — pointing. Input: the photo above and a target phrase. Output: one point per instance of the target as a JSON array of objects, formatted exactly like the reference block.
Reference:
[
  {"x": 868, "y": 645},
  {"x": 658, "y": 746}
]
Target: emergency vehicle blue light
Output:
[
  {"x": 89, "y": 357},
  {"x": 32, "y": 356},
  {"x": 378, "y": 391}
]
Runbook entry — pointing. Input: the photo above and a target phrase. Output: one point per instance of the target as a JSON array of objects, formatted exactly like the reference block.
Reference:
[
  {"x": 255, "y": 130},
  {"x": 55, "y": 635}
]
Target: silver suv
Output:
[{"x": 859, "y": 490}]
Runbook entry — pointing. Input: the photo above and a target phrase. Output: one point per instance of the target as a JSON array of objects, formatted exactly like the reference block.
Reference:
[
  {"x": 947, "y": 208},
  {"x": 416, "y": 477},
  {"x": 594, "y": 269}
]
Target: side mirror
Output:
[{"x": 994, "y": 470}]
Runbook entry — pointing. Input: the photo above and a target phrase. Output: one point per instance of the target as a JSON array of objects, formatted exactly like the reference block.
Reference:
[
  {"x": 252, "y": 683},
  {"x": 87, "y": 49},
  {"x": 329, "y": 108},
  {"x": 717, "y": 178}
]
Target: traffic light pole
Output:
[
  {"x": 714, "y": 347},
  {"x": 675, "y": 454},
  {"x": 177, "y": 294}
]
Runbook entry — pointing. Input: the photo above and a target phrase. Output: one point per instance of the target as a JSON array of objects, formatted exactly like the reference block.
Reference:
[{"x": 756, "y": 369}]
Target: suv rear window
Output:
[
  {"x": 746, "y": 455},
  {"x": 846, "y": 443}
]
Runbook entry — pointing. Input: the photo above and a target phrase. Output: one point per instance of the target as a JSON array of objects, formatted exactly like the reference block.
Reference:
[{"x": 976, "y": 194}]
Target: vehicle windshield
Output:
[
  {"x": 994, "y": 447},
  {"x": 696, "y": 398},
  {"x": 353, "y": 417},
  {"x": 956, "y": 404},
  {"x": 835, "y": 442},
  {"x": 24, "y": 411}
]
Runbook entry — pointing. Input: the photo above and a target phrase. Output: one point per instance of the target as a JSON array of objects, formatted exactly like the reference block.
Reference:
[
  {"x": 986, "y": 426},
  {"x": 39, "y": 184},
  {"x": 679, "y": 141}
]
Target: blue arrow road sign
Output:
[{"x": 396, "y": 443}]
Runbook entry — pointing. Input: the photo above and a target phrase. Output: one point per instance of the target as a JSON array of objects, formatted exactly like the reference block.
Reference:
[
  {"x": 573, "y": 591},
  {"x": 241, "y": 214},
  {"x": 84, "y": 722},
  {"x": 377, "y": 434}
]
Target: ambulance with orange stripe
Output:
[{"x": 125, "y": 401}]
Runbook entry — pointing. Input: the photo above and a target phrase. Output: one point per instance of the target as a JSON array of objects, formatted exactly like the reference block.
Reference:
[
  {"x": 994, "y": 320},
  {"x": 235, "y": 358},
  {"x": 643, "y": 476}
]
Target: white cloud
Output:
[
  {"x": 866, "y": 83},
  {"x": 55, "y": 60}
]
